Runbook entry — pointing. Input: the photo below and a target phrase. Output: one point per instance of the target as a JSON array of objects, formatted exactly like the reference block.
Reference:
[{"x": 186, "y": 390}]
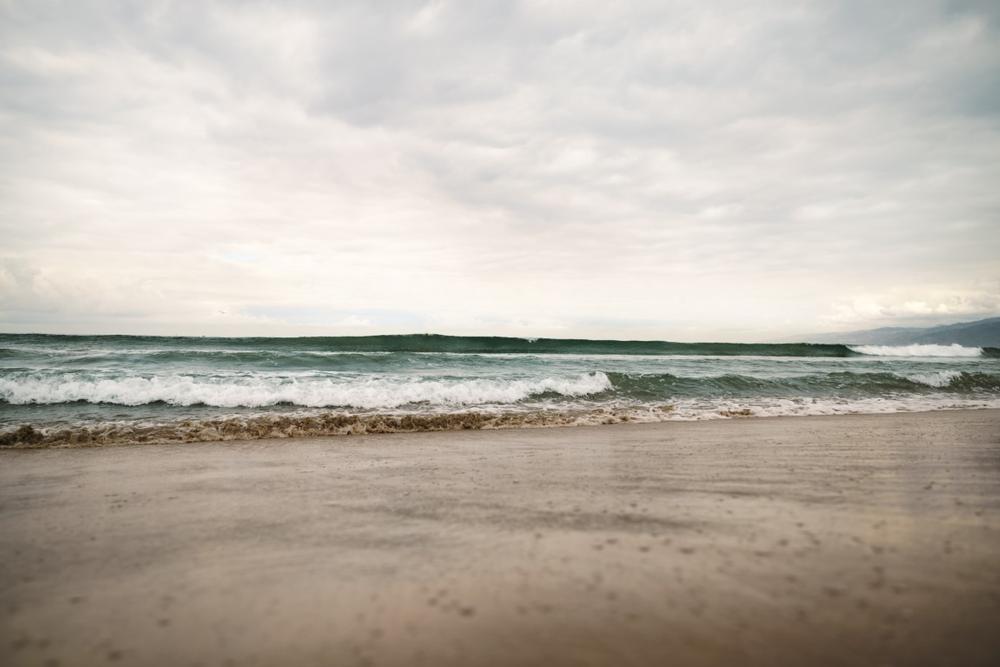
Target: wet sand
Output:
[{"x": 815, "y": 540}]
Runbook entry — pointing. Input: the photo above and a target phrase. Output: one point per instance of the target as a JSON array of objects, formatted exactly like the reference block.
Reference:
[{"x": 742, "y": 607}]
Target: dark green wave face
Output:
[
  {"x": 372, "y": 382},
  {"x": 842, "y": 384},
  {"x": 453, "y": 344}
]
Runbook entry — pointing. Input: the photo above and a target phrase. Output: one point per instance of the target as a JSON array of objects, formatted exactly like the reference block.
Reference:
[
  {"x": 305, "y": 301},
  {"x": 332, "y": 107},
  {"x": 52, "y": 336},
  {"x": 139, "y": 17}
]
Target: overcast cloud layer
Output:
[{"x": 702, "y": 170}]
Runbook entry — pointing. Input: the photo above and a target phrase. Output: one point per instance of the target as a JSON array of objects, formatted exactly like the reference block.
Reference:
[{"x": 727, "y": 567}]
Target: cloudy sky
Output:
[{"x": 688, "y": 170}]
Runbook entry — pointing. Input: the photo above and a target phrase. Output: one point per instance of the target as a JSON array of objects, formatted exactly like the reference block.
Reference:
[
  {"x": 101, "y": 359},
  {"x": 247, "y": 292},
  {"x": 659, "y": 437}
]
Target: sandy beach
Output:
[{"x": 814, "y": 540}]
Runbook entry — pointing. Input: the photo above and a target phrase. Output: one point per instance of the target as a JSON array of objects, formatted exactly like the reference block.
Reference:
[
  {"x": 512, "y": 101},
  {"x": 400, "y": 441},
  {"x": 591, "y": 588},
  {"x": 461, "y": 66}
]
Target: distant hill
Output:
[{"x": 981, "y": 333}]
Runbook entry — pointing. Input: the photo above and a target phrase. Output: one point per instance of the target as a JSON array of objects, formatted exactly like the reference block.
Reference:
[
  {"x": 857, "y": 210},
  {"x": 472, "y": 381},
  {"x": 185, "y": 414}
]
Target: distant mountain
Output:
[{"x": 981, "y": 333}]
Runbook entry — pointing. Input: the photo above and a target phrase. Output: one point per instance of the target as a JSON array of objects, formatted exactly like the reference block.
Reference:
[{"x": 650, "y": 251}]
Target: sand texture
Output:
[{"x": 860, "y": 540}]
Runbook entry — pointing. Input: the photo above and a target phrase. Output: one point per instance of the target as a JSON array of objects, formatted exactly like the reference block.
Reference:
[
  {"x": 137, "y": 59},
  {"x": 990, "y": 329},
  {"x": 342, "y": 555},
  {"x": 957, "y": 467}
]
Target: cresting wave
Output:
[
  {"x": 385, "y": 392},
  {"x": 953, "y": 350},
  {"x": 258, "y": 391}
]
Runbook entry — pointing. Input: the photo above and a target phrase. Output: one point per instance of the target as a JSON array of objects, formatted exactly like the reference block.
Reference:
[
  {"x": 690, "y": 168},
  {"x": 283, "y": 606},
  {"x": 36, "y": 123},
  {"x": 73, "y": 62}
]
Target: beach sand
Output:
[{"x": 789, "y": 541}]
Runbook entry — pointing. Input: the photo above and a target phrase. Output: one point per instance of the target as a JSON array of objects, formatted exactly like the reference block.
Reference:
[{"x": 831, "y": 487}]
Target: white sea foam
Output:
[
  {"x": 339, "y": 422},
  {"x": 953, "y": 350},
  {"x": 259, "y": 391},
  {"x": 939, "y": 379},
  {"x": 696, "y": 410}
]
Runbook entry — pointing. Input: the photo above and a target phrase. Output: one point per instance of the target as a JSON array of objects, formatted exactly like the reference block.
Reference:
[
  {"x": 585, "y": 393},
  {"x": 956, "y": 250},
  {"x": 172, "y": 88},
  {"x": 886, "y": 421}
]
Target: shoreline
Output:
[
  {"x": 833, "y": 540},
  {"x": 336, "y": 425}
]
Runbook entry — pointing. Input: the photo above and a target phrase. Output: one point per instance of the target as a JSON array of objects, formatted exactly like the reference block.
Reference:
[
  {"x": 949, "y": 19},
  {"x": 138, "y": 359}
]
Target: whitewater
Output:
[{"x": 97, "y": 389}]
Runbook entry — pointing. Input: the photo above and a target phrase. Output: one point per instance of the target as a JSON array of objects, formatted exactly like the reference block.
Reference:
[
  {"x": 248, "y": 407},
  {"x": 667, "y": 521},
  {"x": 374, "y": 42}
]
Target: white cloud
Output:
[
  {"x": 722, "y": 169},
  {"x": 919, "y": 306}
]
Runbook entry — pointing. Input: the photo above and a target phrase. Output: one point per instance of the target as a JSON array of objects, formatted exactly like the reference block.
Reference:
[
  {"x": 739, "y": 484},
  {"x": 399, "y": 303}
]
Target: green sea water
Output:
[{"x": 86, "y": 387}]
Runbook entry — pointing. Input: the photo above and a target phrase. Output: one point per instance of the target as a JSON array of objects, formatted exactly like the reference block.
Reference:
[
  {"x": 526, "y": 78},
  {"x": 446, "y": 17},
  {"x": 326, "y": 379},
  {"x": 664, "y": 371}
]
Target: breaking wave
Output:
[
  {"x": 374, "y": 392},
  {"x": 368, "y": 392},
  {"x": 953, "y": 350}
]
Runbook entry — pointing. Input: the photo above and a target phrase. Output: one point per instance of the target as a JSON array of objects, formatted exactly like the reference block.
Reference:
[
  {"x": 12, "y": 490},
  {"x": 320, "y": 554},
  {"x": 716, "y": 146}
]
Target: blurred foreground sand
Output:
[{"x": 814, "y": 540}]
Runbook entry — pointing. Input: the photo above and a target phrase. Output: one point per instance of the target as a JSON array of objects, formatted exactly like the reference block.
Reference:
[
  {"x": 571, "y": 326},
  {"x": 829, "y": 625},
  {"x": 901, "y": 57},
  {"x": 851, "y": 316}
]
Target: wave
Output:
[
  {"x": 421, "y": 343},
  {"x": 155, "y": 359},
  {"x": 374, "y": 392},
  {"x": 842, "y": 383},
  {"x": 953, "y": 350},
  {"x": 98, "y": 346},
  {"x": 367, "y": 392}
]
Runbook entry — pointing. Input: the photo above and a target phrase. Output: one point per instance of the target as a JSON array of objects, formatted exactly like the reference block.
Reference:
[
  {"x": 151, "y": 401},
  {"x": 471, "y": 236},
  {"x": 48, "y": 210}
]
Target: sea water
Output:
[{"x": 97, "y": 389}]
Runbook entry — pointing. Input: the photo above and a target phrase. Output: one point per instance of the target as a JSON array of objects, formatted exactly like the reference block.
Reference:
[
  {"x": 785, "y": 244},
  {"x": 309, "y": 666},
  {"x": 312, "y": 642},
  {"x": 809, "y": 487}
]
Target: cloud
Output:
[
  {"x": 706, "y": 169},
  {"x": 919, "y": 307}
]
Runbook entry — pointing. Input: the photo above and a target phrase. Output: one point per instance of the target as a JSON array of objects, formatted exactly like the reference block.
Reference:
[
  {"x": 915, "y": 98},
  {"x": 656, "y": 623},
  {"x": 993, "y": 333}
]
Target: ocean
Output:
[{"x": 78, "y": 390}]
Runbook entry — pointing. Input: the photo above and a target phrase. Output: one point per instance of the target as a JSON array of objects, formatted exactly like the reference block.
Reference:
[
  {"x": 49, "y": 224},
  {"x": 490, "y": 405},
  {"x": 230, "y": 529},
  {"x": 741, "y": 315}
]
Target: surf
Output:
[{"x": 953, "y": 350}]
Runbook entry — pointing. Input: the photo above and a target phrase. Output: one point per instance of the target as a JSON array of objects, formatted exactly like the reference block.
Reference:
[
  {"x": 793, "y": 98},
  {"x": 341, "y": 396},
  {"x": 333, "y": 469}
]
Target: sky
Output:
[{"x": 670, "y": 170}]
